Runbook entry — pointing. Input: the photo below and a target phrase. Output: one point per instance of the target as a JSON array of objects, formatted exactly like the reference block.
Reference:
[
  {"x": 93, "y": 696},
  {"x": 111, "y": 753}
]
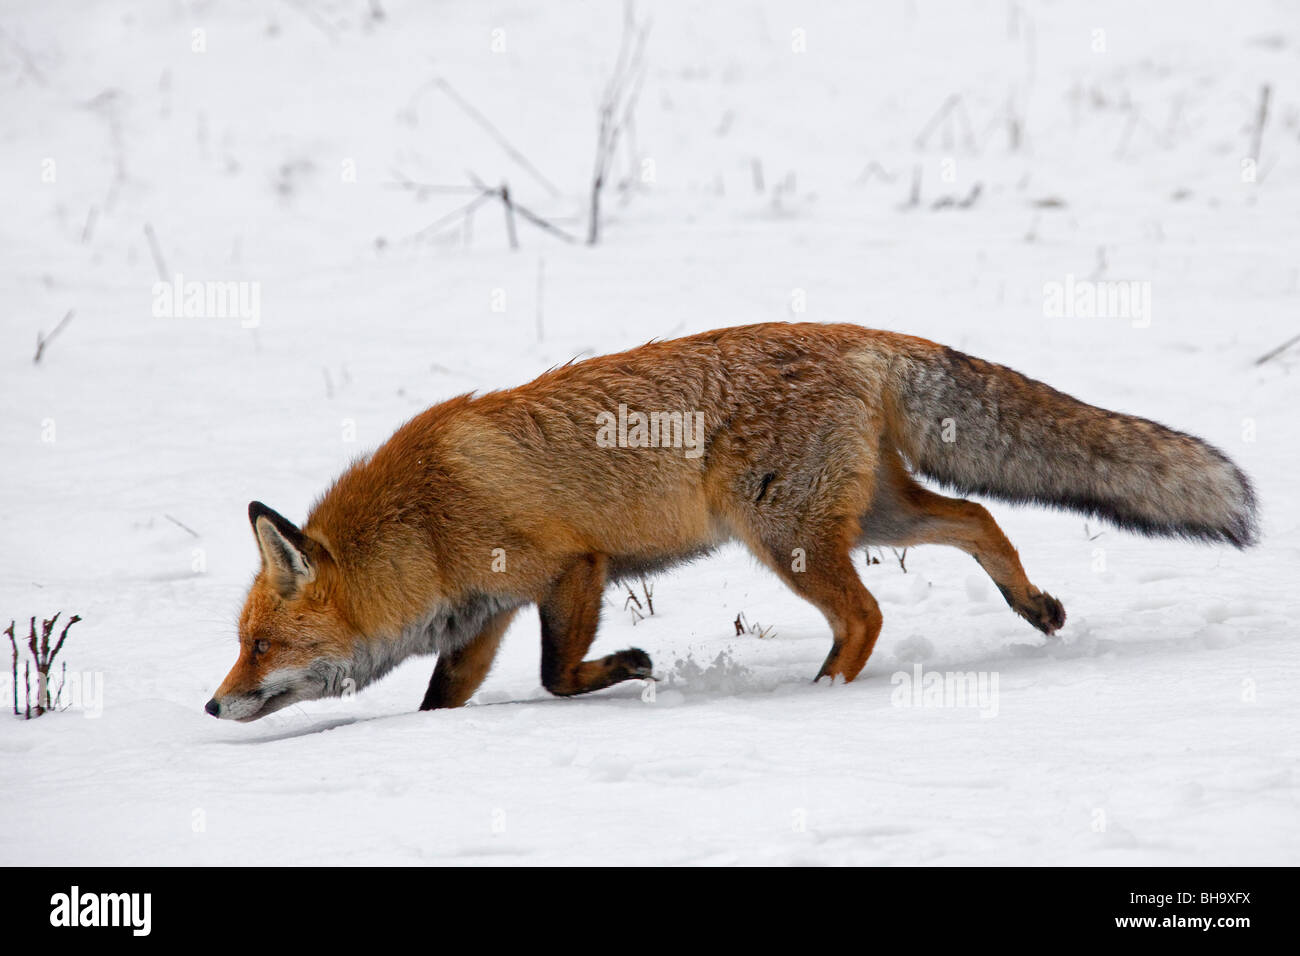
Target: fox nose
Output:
[{"x": 213, "y": 707}]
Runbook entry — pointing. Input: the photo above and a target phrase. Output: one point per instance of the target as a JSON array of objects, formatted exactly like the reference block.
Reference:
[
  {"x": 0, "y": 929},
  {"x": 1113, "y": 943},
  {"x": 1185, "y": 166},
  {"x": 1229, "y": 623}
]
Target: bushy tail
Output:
[{"x": 985, "y": 429}]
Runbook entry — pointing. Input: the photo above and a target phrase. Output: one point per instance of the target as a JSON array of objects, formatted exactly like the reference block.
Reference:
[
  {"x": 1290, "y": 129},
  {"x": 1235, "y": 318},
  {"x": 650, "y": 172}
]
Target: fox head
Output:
[{"x": 294, "y": 641}]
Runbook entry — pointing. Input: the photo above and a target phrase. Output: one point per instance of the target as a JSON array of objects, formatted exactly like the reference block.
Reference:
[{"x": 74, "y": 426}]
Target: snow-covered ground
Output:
[{"x": 768, "y": 178}]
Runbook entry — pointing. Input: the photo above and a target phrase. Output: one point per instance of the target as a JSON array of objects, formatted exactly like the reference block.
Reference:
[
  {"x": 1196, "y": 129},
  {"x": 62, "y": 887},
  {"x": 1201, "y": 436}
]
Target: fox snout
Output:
[
  {"x": 241, "y": 707},
  {"x": 276, "y": 691},
  {"x": 246, "y": 707}
]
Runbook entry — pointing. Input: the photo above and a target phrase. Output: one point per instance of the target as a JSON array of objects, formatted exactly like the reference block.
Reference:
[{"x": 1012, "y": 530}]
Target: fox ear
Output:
[{"x": 284, "y": 549}]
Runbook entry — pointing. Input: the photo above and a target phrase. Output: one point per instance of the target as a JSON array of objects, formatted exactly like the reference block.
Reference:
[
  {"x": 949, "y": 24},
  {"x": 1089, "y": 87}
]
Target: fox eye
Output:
[{"x": 262, "y": 646}]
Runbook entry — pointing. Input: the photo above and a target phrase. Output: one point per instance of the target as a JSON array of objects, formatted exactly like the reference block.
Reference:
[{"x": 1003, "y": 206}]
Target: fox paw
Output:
[
  {"x": 1039, "y": 609},
  {"x": 633, "y": 663},
  {"x": 1043, "y": 611}
]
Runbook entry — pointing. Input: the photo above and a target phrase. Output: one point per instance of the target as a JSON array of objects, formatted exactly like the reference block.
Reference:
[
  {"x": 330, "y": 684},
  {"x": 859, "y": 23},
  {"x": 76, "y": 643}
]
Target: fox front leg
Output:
[
  {"x": 460, "y": 672},
  {"x": 570, "y": 615}
]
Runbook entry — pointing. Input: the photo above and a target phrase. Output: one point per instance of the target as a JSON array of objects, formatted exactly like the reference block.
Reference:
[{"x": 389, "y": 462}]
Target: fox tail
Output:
[{"x": 984, "y": 429}]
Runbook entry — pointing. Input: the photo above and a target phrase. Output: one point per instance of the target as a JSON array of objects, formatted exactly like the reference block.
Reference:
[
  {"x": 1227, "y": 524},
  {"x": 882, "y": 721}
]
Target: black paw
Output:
[
  {"x": 1044, "y": 612},
  {"x": 634, "y": 662}
]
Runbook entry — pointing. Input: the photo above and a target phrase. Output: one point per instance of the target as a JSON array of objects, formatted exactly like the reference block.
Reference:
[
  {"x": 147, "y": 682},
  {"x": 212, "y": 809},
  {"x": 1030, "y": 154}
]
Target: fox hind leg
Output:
[
  {"x": 824, "y": 576},
  {"x": 570, "y": 615},
  {"x": 833, "y": 586},
  {"x": 904, "y": 513}
]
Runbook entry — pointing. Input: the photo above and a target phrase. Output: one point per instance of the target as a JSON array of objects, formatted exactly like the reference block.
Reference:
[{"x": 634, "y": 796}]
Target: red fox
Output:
[{"x": 797, "y": 440}]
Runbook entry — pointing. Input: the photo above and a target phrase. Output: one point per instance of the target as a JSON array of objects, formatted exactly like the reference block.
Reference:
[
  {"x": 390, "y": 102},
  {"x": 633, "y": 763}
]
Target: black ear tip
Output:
[{"x": 286, "y": 528}]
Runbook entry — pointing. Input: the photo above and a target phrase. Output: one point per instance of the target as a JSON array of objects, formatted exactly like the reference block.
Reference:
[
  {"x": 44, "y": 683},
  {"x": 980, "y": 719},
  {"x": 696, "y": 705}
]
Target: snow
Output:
[{"x": 1158, "y": 727}]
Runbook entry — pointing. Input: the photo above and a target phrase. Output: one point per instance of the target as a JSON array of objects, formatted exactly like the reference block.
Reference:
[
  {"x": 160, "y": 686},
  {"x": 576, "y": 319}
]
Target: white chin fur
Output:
[{"x": 279, "y": 689}]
